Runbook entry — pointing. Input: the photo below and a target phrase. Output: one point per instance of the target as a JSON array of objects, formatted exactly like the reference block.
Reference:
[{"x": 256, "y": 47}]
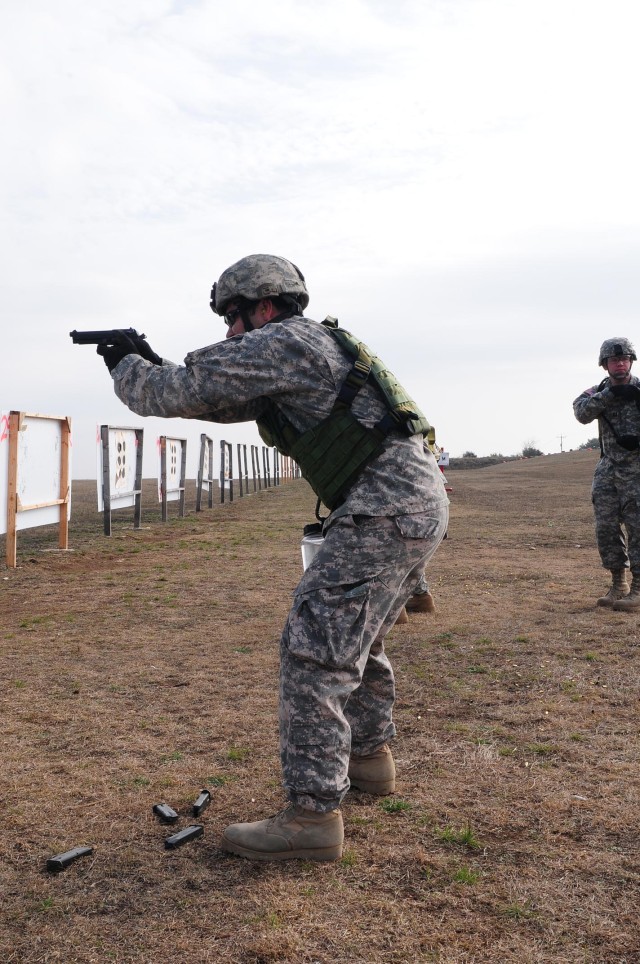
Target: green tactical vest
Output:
[{"x": 333, "y": 453}]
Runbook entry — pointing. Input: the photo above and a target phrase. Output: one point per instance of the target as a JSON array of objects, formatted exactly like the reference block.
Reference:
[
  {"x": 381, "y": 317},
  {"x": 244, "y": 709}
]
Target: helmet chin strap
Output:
[{"x": 244, "y": 314}]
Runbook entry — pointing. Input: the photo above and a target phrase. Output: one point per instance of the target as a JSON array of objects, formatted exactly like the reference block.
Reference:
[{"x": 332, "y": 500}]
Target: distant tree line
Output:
[{"x": 470, "y": 460}]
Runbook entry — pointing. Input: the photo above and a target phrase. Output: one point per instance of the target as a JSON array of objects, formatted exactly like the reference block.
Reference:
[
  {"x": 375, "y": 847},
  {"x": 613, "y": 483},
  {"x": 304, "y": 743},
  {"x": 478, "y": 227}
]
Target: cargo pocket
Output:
[
  {"x": 421, "y": 525},
  {"x": 327, "y": 626}
]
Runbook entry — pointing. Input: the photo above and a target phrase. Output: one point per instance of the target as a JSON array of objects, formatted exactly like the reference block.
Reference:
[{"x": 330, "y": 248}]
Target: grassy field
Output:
[{"x": 141, "y": 668}]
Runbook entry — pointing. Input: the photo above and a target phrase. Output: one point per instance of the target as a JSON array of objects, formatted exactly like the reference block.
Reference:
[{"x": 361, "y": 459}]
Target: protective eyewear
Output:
[{"x": 231, "y": 316}]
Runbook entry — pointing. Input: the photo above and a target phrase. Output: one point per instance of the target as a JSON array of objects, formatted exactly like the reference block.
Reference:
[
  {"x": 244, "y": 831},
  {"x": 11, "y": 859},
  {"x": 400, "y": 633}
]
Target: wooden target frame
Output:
[
  {"x": 266, "y": 467},
  {"x": 17, "y": 423},
  {"x": 112, "y": 497},
  {"x": 205, "y": 472},
  {"x": 255, "y": 468},
  {"x": 226, "y": 469},
  {"x": 172, "y": 493},
  {"x": 243, "y": 470}
]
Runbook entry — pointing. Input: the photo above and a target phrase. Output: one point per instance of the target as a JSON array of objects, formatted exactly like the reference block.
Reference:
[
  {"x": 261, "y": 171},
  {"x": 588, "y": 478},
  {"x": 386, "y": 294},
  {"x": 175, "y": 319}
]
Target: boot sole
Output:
[
  {"x": 321, "y": 854},
  {"x": 609, "y": 603}
]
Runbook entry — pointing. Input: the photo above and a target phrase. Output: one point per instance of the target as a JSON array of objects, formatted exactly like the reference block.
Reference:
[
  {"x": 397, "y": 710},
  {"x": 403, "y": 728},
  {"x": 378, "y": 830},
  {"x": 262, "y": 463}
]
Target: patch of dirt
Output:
[{"x": 140, "y": 668}]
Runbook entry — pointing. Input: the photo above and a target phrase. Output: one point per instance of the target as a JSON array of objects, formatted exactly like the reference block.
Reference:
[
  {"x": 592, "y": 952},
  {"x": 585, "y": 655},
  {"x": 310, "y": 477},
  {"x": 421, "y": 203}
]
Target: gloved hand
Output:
[
  {"x": 124, "y": 345},
  {"x": 627, "y": 392},
  {"x": 145, "y": 350}
]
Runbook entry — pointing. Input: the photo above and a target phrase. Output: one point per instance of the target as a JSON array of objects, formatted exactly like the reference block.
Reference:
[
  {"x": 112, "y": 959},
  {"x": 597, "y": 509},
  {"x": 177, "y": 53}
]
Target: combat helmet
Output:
[
  {"x": 260, "y": 276},
  {"x": 615, "y": 346}
]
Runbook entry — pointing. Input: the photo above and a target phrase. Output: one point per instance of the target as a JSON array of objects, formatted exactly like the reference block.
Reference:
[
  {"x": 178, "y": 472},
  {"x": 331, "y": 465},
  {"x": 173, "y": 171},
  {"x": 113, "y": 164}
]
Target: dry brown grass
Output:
[{"x": 141, "y": 668}]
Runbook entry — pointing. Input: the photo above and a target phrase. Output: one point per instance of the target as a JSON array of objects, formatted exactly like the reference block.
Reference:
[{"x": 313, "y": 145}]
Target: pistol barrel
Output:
[{"x": 108, "y": 337}]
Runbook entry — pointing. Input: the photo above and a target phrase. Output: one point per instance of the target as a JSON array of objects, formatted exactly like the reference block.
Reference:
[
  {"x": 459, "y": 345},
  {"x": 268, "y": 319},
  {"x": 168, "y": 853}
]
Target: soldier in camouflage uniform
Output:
[
  {"x": 336, "y": 683},
  {"x": 615, "y": 493}
]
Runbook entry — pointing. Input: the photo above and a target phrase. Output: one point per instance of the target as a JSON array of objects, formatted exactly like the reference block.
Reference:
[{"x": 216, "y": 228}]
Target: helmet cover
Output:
[
  {"x": 259, "y": 276},
  {"x": 613, "y": 347}
]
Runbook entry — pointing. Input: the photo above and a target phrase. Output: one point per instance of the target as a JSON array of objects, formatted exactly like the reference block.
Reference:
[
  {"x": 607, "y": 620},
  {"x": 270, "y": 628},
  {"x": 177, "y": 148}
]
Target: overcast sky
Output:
[{"x": 457, "y": 179}]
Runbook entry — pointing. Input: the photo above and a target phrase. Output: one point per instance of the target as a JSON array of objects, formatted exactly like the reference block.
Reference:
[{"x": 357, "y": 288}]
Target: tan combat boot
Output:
[
  {"x": 619, "y": 588},
  {"x": 402, "y": 617},
  {"x": 422, "y": 603},
  {"x": 374, "y": 773},
  {"x": 630, "y": 603},
  {"x": 294, "y": 833}
]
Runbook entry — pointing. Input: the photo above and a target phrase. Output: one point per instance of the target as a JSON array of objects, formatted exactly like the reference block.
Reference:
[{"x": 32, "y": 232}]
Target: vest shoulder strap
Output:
[{"x": 403, "y": 413}]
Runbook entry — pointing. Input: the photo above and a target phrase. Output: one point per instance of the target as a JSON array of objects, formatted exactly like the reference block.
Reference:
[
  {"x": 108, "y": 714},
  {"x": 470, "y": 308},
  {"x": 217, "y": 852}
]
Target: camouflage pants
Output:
[
  {"x": 336, "y": 684},
  {"x": 616, "y": 503}
]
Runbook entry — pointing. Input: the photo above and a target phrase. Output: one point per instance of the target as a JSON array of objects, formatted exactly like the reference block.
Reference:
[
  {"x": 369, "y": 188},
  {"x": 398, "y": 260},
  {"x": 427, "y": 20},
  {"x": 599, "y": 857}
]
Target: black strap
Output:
[
  {"x": 633, "y": 446},
  {"x": 355, "y": 380},
  {"x": 387, "y": 424},
  {"x": 604, "y": 418}
]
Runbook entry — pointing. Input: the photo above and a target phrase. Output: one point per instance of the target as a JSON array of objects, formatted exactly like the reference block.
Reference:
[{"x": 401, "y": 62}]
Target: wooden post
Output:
[
  {"x": 230, "y": 472},
  {"x": 210, "y": 444},
  {"x": 137, "y": 505},
  {"x": 163, "y": 475},
  {"x": 183, "y": 475},
  {"x": 240, "y": 470},
  {"x": 12, "y": 490},
  {"x": 210, "y": 473},
  {"x": 200, "y": 481},
  {"x": 65, "y": 483},
  {"x": 246, "y": 470},
  {"x": 223, "y": 451},
  {"x": 106, "y": 484},
  {"x": 255, "y": 466},
  {"x": 267, "y": 467}
]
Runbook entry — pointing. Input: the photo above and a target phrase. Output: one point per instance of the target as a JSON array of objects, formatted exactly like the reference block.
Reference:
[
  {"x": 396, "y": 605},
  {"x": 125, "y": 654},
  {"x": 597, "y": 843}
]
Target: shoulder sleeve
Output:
[{"x": 591, "y": 404}]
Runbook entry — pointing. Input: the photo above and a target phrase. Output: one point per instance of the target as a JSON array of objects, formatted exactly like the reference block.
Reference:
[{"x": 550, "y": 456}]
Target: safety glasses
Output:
[{"x": 231, "y": 316}]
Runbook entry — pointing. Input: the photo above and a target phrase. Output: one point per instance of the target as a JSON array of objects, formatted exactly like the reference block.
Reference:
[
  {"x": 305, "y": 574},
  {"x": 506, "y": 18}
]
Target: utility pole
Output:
[{"x": 561, "y": 437}]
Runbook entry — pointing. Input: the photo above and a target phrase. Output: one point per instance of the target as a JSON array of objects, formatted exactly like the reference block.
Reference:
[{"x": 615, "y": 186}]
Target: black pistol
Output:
[{"x": 109, "y": 337}]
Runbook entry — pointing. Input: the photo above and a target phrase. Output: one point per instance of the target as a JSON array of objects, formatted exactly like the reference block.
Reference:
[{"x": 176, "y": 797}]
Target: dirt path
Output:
[{"x": 142, "y": 668}]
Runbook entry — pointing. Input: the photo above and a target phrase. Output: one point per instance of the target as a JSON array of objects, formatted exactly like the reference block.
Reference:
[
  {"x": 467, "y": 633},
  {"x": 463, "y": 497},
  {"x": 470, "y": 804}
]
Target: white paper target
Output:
[
  {"x": 173, "y": 449},
  {"x": 38, "y": 478},
  {"x": 122, "y": 454},
  {"x": 226, "y": 467},
  {"x": 206, "y": 464}
]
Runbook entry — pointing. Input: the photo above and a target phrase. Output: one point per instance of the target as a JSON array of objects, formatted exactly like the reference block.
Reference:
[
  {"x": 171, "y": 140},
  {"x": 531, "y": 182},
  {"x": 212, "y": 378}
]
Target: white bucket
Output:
[{"x": 309, "y": 546}]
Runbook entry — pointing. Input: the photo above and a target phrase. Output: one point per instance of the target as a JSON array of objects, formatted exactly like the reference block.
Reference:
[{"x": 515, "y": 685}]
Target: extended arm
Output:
[{"x": 231, "y": 381}]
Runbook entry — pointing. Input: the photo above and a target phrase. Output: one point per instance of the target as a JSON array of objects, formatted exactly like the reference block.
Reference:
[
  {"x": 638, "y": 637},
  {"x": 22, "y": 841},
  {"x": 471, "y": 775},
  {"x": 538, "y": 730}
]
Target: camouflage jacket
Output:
[
  {"x": 616, "y": 416},
  {"x": 299, "y": 366}
]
